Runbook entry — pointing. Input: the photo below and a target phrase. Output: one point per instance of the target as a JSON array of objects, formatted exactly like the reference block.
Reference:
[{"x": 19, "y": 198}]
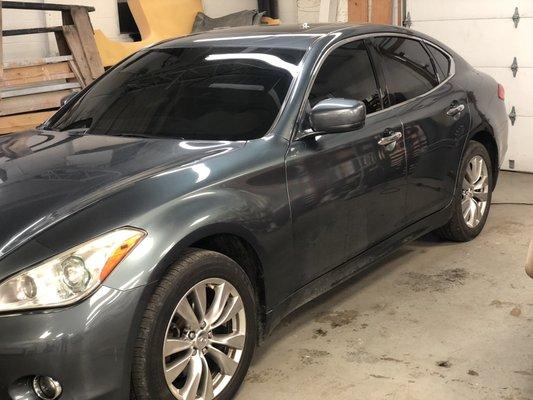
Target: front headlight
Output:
[{"x": 70, "y": 276}]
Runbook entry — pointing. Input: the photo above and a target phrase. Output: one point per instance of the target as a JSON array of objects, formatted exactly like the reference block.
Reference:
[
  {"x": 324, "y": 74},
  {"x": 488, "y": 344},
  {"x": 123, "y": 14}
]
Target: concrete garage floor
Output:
[{"x": 436, "y": 320}]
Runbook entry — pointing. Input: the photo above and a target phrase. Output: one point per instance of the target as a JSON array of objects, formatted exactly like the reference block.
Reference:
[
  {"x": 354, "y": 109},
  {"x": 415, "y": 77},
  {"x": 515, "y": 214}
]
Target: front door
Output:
[{"x": 347, "y": 191}]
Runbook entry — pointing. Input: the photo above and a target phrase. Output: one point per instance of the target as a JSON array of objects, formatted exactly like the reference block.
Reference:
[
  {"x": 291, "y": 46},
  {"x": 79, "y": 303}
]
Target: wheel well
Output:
[
  {"x": 240, "y": 251},
  {"x": 487, "y": 140}
]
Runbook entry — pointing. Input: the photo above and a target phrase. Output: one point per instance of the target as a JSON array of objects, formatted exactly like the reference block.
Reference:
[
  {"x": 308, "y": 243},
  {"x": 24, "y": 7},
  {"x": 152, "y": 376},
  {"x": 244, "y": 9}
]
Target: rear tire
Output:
[
  {"x": 204, "y": 299},
  {"x": 473, "y": 194}
]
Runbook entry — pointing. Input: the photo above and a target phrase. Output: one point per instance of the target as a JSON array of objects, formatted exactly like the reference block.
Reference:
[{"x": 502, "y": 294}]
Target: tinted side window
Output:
[
  {"x": 347, "y": 72},
  {"x": 408, "y": 67},
  {"x": 442, "y": 61}
]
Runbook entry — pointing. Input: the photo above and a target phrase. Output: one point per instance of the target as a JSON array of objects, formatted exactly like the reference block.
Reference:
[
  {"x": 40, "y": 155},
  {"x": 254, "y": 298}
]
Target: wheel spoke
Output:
[
  {"x": 466, "y": 207},
  {"x": 233, "y": 306},
  {"x": 226, "y": 364},
  {"x": 481, "y": 196},
  {"x": 233, "y": 340},
  {"x": 200, "y": 301},
  {"x": 206, "y": 390},
  {"x": 216, "y": 309},
  {"x": 173, "y": 346},
  {"x": 481, "y": 183},
  {"x": 194, "y": 376},
  {"x": 473, "y": 211},
  {"x": 187, "y": 313},
  {"x": 174, "y": 369}
]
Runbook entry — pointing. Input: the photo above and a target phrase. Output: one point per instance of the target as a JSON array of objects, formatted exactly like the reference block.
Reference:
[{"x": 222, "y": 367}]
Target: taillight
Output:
[{"x": 501, "y": 92}]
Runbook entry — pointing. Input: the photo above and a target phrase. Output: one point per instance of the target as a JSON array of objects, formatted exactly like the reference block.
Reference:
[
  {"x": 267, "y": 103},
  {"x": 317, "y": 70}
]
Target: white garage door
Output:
[{"x": 484, "y": 33}]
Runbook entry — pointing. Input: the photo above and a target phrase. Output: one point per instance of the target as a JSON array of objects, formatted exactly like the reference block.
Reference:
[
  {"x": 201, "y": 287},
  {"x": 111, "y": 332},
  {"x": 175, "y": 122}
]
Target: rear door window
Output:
[{"x": 408, "y": 68}]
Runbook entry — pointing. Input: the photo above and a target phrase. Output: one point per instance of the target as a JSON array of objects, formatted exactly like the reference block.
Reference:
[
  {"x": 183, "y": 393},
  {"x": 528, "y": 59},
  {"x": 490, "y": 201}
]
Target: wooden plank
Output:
[
  {"x": 74, "y": 44},
  {"x": 21, "y": 122},
  {"x": 30, "y": 31},
  {"x": 37, "y": 73},
  {"x": 86, "y": 35},
  {"x": 1, "y": 51},
  {"x": 24, "y": 5},
  {"x": 358, "y": 11},
  {"x": 36, "y": 102},
  {"x": 6, "y": 94},
  {"x": 36, "y": 61},
  {"x": 381, "y": 12}
]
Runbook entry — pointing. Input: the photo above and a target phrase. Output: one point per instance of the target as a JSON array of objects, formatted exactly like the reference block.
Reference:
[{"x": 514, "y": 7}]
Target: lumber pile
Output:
[{"x": 31, "y": 91}]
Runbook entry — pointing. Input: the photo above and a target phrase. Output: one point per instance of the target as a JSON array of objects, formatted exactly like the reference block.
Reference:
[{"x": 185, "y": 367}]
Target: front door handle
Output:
[
  {"x": 455, "y": 109},
  {"x": 392, "y": 138}
]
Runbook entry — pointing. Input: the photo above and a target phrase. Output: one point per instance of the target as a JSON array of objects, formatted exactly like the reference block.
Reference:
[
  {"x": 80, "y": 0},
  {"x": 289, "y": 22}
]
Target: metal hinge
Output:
[
  {"x": 512, "y": 115},
  {"x": 514, "y": 67},
  {"x": 516, "y": 17},
  {"x": 407, "y": 22}
]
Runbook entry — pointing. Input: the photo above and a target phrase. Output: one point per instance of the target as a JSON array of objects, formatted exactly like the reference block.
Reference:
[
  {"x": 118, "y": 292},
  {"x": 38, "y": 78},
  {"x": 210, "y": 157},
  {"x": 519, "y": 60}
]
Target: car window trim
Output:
[{"x": 318, "y": 65}]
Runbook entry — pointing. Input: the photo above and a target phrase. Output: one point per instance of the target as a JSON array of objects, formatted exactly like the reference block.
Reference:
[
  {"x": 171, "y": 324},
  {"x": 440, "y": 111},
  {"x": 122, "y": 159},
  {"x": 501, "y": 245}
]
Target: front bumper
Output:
[{"x": 86, "y": 347}]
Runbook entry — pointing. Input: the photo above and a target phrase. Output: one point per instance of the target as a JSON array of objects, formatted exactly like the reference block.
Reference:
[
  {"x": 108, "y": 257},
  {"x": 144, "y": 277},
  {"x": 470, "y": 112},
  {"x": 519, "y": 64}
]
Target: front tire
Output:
[
  {"x": 198, "y": 333},
  {"x": 473, "y": 195}
]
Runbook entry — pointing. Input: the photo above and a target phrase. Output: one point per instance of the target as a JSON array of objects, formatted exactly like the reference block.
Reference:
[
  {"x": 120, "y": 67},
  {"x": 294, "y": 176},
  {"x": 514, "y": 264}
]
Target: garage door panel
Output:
[
  {"x": 470, "y": 9},
  {"x": 517, "y": 90},
  {"x": 498, "y": 39},
  {"x": 520, "y": 145}
]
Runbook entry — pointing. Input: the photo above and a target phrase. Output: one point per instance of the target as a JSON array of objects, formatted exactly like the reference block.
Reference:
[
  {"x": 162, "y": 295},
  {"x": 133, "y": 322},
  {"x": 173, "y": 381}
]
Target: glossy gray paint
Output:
[{"x": 288, "y": 197}]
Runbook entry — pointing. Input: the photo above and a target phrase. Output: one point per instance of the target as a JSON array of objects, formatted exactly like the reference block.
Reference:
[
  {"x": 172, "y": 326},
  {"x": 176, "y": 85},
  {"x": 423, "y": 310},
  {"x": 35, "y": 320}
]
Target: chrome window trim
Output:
[{"x": 318, "y": 65}]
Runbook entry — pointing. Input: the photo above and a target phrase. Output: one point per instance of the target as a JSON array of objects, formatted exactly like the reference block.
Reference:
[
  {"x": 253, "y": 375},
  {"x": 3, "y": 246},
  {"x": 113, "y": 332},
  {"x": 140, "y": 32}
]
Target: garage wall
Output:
[{"x": 484, "y": 33}]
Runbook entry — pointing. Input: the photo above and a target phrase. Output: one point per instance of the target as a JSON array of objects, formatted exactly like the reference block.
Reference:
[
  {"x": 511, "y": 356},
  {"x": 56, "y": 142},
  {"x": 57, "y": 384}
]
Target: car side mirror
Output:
[
  {"x": 67, "y": 98},
  {"x": 337, "y": 115}
]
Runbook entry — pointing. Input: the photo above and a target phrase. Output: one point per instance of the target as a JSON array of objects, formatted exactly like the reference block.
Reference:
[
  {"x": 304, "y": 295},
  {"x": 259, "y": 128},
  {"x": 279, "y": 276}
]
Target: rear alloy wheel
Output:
[
  {"x": 475, "y": 191},
  {"x": 473, "y": 194},
  {"x": 198, "y": 333}
]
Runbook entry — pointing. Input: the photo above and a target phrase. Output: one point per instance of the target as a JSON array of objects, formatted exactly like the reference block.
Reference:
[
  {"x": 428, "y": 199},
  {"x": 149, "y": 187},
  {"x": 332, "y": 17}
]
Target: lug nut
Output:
[
  {"x": 203, "y": 325},
  {"x": 191, "y": 335}
]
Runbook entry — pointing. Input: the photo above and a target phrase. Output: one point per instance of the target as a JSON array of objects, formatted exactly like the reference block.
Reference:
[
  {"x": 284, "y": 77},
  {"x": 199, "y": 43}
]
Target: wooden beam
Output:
[
  {"x": 1, "y": 52},
  {"x": 36, "y": 102},
  {"x": 21, "y": 122},
  {"x": 74, "y": 45},
  {"x": 31, "y": 31},
  {"x": 83, "y": 24},
  {"x": 381, "y": 12},
  {"x": 358, "y": 11},
  {"x": 37, "y": 61},
  {"x": 24, "y": 5},
  {"x": 37, "y": 74},
  {"x": 6, "y": 94}
]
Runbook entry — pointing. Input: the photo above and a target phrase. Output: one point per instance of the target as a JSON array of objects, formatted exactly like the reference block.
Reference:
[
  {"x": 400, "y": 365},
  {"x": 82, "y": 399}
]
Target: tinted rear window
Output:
[
  {"x": 442, "y": 60},
  {"x": 216, "y": 93}
]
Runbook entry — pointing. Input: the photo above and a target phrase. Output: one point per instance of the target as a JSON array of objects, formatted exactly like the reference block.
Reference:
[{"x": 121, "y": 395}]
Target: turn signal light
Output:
[{"x": 501, "y": 92}]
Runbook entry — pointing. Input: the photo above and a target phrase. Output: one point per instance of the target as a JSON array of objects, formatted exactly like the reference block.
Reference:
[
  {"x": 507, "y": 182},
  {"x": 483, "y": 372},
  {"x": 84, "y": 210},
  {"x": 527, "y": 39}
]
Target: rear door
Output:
[
  {"x": 435, "y": 117},
  {"x": 347, "y": 190}
]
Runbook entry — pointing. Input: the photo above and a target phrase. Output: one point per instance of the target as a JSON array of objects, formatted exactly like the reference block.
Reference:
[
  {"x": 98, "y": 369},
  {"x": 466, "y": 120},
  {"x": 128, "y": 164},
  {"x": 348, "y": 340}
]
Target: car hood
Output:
[{"x": 46, "y": 176}]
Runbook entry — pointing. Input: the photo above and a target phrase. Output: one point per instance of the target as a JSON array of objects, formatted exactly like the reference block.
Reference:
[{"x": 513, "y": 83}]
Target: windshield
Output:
[{"x": 204, "y": 93}]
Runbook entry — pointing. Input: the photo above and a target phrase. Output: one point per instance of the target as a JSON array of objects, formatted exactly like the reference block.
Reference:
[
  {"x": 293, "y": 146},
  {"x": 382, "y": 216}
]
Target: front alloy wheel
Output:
[
  {"x": 198, "y": 332},
  {"x": 204, "y": 341}
]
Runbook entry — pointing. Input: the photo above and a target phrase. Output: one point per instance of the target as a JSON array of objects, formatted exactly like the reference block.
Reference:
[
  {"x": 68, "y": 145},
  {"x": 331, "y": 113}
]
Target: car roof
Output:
[{"x": 297, "y": 36}]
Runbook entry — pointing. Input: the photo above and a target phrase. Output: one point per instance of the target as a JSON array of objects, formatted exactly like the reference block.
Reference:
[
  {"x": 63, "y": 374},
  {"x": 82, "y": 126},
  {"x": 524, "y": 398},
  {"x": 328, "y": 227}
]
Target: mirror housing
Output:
[{"x": 337, "y": 115}]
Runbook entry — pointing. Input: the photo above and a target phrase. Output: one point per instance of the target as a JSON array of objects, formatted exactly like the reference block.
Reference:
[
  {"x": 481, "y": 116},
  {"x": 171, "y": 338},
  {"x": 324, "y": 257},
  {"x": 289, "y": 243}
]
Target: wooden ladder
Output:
[{"x": 31, "y": 91}]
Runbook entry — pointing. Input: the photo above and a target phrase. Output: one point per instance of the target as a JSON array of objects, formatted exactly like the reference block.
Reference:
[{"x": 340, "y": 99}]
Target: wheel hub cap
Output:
[
  {"x": 475, "y": 191},
  {"x": 204, "y": 341}
]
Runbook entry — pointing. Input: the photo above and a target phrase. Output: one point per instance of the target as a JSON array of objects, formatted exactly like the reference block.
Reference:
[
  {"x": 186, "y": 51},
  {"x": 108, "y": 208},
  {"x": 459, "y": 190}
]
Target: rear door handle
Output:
[
  {"x": 455, "y": 109},
  {"x": 392, "y": 138}
]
